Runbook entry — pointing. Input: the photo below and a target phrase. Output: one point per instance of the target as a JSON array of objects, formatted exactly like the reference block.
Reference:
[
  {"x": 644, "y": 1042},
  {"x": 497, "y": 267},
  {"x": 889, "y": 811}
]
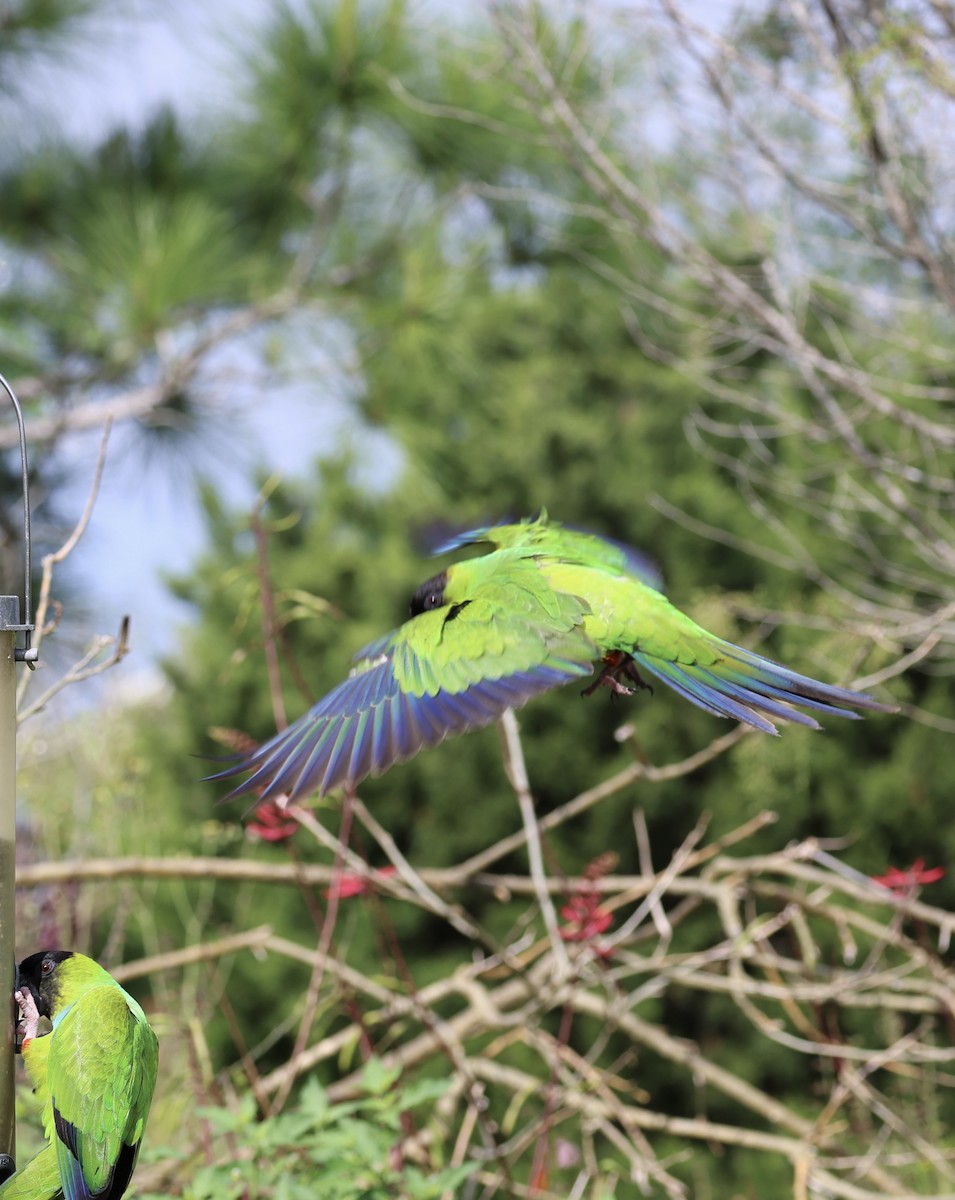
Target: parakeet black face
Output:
[
  {"x": 39, "y": 973},
  {"x": 429, "y": 595}
]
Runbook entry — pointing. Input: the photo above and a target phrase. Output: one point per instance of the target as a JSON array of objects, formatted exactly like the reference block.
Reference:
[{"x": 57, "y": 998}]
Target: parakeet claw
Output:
[
  {"x": 608, "y": 680},
  {"x": 29, "y": 1023},
  {"x": 615, "y": 665}
]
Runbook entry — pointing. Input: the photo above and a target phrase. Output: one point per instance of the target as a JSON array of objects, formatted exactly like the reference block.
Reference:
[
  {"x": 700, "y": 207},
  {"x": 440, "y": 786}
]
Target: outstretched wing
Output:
[
  {"x": 504, "y": 637},
  {"x": 544, "y": 537},
  {"x": 101, "y": 1074}
]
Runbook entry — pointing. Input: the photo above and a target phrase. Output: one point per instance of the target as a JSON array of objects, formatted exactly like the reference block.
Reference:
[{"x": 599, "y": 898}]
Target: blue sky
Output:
[{"x": 147, "y": 522}]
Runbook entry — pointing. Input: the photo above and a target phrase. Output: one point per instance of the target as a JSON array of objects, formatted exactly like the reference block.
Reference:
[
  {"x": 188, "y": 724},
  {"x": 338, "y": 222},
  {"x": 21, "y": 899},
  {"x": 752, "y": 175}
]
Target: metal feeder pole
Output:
[{"x": 10, "y": 655}]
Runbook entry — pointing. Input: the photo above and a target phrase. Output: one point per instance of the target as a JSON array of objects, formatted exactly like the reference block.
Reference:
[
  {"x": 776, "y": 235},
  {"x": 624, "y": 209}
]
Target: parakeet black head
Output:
[
  {"x": 429, "y": 595},
  {"x": 41, "y": 974}
]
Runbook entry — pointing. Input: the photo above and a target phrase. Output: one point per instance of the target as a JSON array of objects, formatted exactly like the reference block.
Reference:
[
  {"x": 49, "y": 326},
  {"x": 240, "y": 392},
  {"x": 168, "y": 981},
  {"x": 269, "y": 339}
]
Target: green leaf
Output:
[{"x": 378, "y": 1078}]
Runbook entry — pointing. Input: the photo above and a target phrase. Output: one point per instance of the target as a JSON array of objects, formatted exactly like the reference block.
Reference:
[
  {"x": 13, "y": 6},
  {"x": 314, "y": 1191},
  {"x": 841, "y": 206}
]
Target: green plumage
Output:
[
  {"x": 546, "y": 606},
  {"x": 510, "y": 620},
  {"x": 94, "y": 1073},
  {"x": 39, "y": 1179}
]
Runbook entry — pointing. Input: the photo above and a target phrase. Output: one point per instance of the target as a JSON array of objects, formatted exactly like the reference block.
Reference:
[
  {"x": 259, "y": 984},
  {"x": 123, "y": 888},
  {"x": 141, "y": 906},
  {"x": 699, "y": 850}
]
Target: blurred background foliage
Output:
[{"x": 379, "y": 186}]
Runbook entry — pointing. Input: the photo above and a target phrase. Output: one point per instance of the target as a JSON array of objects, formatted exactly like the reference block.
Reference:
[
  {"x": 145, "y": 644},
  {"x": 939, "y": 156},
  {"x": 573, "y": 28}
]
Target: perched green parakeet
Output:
[
  {"x": 94, "y": 1074},
  {"x": 546, "y": 606}
]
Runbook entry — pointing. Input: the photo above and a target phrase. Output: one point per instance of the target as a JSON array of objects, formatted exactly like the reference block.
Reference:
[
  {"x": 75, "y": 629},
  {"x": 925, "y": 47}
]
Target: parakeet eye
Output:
[
  {"x": 47, "y": 966},
  {"x": 430, "y": 595}
]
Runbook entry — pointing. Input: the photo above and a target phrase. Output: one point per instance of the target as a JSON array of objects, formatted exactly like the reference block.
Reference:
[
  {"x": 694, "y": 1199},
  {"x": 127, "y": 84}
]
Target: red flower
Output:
[
  {"x": 271, "y": 822},
  {"x": 585, "y": 916},
  {"x": 349, "y": 884},
  {"x": 905, "y": 882}
]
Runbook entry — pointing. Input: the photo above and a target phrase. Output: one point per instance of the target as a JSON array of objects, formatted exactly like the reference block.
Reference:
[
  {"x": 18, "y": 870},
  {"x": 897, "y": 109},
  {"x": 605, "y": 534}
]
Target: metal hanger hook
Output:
[{"x": 26, "y": 653}]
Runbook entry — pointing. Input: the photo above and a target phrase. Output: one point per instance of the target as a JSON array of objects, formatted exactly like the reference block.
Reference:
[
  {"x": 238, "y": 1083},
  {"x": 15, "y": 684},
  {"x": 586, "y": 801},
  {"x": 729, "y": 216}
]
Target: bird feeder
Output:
[{"x": 15, "y": 637}]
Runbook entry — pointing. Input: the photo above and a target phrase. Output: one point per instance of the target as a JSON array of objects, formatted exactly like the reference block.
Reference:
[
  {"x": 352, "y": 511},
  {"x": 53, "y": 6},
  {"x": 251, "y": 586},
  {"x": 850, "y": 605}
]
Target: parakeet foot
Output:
[
  {"x": 617, "y": 665},
  {"x": 29, "y": 1023}
]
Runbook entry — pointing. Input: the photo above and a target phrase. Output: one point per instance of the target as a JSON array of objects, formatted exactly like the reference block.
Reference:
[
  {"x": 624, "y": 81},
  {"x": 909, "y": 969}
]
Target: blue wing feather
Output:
[
  {"x": 746, "y": 687},
  {"x": 338, "y": 757},
  {"x": 368, "y": 723},
  {"x": 75, "y": 1186}
]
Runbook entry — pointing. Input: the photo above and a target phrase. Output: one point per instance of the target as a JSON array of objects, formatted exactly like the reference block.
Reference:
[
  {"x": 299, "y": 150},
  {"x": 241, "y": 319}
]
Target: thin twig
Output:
[
  {"x": 517, "y": 774},
  {"x": 52, "y": 560}
]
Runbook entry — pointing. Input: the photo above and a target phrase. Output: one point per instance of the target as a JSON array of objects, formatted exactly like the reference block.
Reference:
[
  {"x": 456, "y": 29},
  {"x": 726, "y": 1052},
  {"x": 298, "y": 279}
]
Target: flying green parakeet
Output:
[
  {"x": 546, "y": 606},
  {"x": 94, "y": 1075}
]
